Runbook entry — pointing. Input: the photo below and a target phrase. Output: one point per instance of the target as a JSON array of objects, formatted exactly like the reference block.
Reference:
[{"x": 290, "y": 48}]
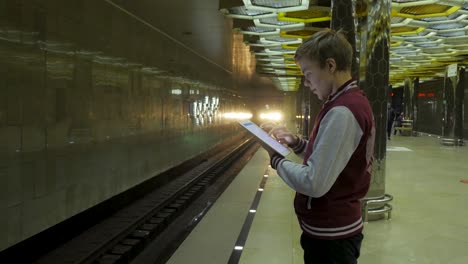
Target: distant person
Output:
[
  {"x": 391, "y": 118},
  {"x": 337, "y": 158},
  {"x": 398, "y": 122}
]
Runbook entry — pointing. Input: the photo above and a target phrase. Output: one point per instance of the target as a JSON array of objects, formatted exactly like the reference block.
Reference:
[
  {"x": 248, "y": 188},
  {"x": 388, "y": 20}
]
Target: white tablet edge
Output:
[{"x": 275, "y": 145}]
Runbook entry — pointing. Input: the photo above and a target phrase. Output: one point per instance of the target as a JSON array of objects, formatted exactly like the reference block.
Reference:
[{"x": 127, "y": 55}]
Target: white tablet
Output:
[{"x": 264, "y": 137}]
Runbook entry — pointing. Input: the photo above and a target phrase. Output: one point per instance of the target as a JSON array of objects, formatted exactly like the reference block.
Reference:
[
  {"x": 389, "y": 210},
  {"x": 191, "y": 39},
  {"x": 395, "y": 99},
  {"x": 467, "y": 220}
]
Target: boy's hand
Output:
[{"x": 284, "y": 136}]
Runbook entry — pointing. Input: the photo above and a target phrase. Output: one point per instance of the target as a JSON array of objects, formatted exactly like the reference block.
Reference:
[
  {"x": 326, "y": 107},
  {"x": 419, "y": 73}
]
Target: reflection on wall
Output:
[
  {"x": 440, "y": 106},
  {"x": 408, "y": 90},
  {"x": 204, "y": 111},
  {"x": 430, "y": 107},
  {"x": 397, "y": 104},
  {"x": 89, "y": 109}
]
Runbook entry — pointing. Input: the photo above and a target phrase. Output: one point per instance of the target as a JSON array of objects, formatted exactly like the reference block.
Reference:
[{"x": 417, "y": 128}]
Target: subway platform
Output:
[{"x": 428, "y": 223}]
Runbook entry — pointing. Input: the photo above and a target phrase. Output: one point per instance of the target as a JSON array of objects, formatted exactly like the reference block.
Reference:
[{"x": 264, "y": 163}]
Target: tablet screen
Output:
[{"x": 264, "y": 137}]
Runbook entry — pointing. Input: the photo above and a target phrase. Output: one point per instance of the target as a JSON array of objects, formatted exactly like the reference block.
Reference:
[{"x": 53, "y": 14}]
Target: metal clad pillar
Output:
[
  {"x": 449, "y": 96},
  {"x": 374, "y": 29},
  {"x": 452, "y": 130},
  {"x": 410, "y": 98},
  {"x": 459, "y": 98},
  {"x": 310, "y": 107},
  {"x": 343, "y": 17},
  {"x": 465, "y": 104},
  {"x": 414, "y": 103},
  {"x": 408, "y": 95}
]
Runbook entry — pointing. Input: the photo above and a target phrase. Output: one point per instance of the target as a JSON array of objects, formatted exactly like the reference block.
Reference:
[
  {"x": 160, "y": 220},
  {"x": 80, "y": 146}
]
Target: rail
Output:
[
  {"x": 386, "y": 208},
  {"x": 121, "y": 237}
]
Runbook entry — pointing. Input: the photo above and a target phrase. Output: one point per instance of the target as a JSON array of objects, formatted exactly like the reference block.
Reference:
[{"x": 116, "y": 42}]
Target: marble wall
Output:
[{"x": 94, "y": 101}]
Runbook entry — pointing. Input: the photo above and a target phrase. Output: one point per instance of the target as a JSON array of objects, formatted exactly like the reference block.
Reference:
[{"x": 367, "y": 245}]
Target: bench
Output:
[{"x": 405, "y": 130}]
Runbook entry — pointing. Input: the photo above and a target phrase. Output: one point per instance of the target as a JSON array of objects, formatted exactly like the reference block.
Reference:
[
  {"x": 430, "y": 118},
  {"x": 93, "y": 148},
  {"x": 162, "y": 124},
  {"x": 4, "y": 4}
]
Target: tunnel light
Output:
[
  {"x": 273, "y": 116},
  {"x": 252, "y": 210},
  {"x": 238, "y": 247},
  {"x": 237, "y": 115},
  {"x": 176, "y": 91},
  {"x": 260, "y": 189}
]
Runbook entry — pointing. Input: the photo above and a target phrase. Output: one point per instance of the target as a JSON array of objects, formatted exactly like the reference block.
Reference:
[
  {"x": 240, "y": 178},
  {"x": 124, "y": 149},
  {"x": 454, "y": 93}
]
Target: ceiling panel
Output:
[{"x": 427, "y": 35}]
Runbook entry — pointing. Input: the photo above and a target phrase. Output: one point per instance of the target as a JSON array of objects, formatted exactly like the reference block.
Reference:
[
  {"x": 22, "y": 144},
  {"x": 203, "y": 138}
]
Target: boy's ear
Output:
[{"x": 331, "y": 64}]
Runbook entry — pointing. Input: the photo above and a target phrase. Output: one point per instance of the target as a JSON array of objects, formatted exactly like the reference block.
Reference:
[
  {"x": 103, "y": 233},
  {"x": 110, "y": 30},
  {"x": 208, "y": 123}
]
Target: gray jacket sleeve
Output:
[{"x": 337, "y": 139}]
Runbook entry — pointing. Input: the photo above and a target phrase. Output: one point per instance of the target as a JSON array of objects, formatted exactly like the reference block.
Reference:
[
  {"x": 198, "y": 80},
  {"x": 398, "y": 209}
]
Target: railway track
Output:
[{"x": 121, "y": 237}]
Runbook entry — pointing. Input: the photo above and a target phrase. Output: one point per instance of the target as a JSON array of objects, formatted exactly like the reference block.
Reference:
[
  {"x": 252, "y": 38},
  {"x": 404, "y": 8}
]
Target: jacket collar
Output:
[{"x": 343, "y": 88}]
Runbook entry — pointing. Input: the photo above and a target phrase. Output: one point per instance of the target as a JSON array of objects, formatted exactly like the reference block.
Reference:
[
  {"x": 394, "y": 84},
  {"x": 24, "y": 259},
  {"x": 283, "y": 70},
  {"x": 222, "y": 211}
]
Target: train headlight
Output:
[{"x": 272, "y": 116}]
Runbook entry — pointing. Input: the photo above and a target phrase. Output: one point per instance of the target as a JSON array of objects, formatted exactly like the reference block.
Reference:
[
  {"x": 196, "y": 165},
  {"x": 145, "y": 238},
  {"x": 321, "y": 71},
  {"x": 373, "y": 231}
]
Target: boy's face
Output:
[{"x": 319, "y": 80}]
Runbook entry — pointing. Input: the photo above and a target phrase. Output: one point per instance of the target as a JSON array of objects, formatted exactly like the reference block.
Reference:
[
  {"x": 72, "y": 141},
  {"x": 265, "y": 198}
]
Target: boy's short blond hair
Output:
[{"x": 327, "y": 44}]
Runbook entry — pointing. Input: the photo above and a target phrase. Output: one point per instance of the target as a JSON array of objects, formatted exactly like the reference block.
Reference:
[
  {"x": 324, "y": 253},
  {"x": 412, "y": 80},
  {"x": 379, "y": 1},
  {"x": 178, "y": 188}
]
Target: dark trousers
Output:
[
  {"x": 389, "y": 129},
  {"x": 340, "y": 251}
]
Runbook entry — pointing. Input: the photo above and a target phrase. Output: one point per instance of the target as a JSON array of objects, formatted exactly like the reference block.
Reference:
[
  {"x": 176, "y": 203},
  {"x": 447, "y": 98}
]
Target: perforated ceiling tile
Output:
[
  {"x": 396, "y": 20},
  {"x": 403, "y": 29},
  {"x": 242, "y": 10},
  {"x": 278, "y": 39},
  {"x": 419, "y": 40},
  {"x": 425, "y": 9},
  {"x": 435, "y": 50},
  {"x": 442, "y": 18},
  {"x": 259, "y": 31},
  {"x": 417, "y": 58},
  {"x": 405, "y": 1},
  {"x": 423, "y": 34},
  {"x": 291, "y": 46},
  {"x": 455, "y": 41},
  {"x": 276, "y": 22},
  {"x": 447, "y": 26},
  {"x": 452, "y": 34},
  {"x": 263, "y": 44},
  {"x": 304, "y": 33},
  {"x": 277, "y": 4},
  {"x": 313, "y": 14},
  {"x": 426, "y": 34},
  {"x": 395, "y": 43},
  {"x": 282, "y": 50},
  {"x": 427, "y": 44},
  {"x": 273, "y": 22}
]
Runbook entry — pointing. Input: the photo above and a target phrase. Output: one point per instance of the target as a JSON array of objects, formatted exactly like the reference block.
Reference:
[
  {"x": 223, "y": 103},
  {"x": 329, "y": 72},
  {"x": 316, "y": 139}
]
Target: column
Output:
[
  {"x": 414, "y": 103},
  {"x": 408, "y": 93},
  {"x": 374, "y": 35},
  {"x": 459, "y": 108},
  {"x": 454, "y": 84},
  {"x": 343, "y": 17}
]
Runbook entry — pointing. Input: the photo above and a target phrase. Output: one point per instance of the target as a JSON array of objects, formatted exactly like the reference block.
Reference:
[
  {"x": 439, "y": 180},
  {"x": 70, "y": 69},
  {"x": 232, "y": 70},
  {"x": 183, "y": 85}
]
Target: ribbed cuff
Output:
[
  {"x": 299, "y": 146},
  {"x": 275, "y": 160}
]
